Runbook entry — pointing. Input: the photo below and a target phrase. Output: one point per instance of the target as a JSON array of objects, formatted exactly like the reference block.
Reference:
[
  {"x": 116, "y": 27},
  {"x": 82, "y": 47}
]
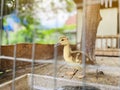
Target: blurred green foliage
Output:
[
  {"x": 41, "y": 36},
  {"x": 32, "y": 25}
]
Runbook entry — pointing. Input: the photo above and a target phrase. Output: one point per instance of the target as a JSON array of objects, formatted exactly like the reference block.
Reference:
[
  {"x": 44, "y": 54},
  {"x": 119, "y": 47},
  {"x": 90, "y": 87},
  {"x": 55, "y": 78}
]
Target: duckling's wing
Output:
[{"x": 78, "y": 55}]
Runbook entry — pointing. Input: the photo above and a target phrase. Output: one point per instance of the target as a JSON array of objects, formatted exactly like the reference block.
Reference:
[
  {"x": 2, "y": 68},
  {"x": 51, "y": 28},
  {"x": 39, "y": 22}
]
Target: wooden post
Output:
[
  {"x": 101, "y": 43},
  {"x": 111, "y": 42},
  {"x": 106, "y": 43}
]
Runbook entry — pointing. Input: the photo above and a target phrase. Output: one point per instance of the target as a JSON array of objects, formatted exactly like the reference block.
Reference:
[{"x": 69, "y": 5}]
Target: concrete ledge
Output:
[{"x": 42, "y": 82}]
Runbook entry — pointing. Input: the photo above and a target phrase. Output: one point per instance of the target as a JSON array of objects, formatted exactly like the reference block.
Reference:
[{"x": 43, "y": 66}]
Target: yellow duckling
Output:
[{"x": 73, "y": 57}]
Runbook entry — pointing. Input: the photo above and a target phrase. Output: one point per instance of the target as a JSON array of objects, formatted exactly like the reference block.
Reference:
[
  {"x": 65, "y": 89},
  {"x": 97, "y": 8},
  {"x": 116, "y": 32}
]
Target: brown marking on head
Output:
[{"x": 63, "y": 40}]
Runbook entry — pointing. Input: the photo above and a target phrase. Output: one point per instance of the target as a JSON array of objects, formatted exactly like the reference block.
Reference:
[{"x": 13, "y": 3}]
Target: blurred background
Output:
[{"x": 49, "y": 19}]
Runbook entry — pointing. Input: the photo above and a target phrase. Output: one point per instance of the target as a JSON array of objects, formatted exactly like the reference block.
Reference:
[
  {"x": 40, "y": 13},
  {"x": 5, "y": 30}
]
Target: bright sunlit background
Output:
[{"x": 47, "y": 17}]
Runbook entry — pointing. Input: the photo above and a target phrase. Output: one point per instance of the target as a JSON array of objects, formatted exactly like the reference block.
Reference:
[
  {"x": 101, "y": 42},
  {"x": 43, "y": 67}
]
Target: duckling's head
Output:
[{"x": 63, "y": 41}]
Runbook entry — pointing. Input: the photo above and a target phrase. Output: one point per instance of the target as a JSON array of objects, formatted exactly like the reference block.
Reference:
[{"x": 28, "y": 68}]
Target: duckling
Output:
[{"x": 73, "y": 57}]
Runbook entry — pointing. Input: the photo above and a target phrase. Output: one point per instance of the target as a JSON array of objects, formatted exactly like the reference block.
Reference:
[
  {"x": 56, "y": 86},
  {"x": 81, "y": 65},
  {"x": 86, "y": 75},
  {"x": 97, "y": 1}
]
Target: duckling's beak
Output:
[{"x": 58, "y": 44}]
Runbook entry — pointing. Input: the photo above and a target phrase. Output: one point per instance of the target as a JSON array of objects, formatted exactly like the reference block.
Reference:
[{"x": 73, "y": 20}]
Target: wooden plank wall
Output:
[{"x": 24, "y": 50}]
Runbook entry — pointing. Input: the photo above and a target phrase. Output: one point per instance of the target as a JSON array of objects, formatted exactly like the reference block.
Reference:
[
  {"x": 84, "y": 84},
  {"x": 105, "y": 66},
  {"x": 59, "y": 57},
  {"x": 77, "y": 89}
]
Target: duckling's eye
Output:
[{"x": 62, "y": 39}]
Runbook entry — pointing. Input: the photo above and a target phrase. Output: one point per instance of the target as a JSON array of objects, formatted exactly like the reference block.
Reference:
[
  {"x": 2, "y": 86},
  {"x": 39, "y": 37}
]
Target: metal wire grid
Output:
[
  {"x": 32, "y": 60},
  {"x": 1, "y": 15}
]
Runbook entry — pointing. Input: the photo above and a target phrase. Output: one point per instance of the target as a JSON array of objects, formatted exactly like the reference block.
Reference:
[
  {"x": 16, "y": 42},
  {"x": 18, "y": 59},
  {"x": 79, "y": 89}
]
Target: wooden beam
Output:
[
  {"x": 108, "y": 36},
  {"x": 79, "y": 4}
]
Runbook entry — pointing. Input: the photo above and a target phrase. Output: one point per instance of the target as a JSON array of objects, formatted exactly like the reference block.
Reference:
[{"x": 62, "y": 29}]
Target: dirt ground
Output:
[{"x": 111, "y": 75}]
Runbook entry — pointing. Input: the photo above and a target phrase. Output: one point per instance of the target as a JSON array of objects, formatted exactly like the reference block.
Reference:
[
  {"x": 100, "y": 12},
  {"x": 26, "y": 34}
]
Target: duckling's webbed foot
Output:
[
  {"x": 81, "y": 76},
  {"x": 72, "y": 73}
]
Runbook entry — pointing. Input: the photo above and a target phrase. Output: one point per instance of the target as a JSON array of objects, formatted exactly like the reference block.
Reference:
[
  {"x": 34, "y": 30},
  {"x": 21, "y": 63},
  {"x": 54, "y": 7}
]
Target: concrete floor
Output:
[{"x": 109, "y": 65}]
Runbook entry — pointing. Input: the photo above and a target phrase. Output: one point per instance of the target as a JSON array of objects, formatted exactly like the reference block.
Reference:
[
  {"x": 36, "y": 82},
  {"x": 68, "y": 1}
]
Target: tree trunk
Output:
[{"x": 92, "y": 19}]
